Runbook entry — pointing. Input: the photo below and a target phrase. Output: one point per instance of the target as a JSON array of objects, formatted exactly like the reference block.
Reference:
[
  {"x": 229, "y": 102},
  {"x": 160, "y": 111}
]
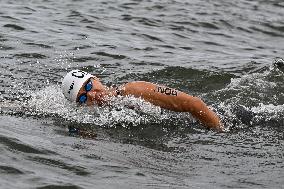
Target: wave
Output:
[
  {"x": 254, "y": 99},
  {"x": 242, "y": 101}
]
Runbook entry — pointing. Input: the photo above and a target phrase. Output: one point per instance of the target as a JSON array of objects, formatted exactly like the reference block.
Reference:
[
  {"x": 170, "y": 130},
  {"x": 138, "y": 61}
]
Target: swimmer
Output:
[{"x": 84, "y": 88}]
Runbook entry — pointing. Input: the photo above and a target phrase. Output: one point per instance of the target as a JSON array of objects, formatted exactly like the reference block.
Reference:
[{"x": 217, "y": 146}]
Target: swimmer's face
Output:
[{"x": 91, "y": 92}]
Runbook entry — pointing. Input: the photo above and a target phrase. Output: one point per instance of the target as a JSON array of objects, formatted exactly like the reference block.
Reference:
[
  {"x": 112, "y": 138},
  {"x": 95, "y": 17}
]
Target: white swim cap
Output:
[{"x": 72, "y": 83}]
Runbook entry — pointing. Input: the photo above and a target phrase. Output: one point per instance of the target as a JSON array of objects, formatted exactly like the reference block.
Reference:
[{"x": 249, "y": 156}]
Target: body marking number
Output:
[{"x": 166, "y": 91}]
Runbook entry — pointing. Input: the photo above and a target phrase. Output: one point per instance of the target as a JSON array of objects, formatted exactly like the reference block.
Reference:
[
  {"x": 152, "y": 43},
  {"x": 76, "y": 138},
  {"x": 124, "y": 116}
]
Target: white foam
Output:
[
  {"x": 268, "y": 108},
  {"x": 50, "y": 101},
  {"x": 256, "y": 94}
]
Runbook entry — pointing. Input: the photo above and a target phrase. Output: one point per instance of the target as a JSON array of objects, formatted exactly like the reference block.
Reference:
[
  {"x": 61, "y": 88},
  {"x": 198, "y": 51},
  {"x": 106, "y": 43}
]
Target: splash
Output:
[
  {"x": 51, "y": 102},
  {"x": 253, "y": 99},
  {"x": 268, "y": 112}
]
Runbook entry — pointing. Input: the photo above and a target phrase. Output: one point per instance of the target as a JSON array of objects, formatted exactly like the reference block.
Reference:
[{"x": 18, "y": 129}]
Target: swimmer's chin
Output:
[{"x": 89, "y": 104}]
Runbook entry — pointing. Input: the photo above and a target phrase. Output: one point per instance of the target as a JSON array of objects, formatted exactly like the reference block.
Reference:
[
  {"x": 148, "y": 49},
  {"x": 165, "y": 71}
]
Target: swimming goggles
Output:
[{"x": 88, "y": 87}]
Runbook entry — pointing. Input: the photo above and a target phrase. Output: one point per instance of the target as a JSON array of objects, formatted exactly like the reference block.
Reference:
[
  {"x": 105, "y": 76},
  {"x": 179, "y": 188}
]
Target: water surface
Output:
[{"x": 226, "y": 52}]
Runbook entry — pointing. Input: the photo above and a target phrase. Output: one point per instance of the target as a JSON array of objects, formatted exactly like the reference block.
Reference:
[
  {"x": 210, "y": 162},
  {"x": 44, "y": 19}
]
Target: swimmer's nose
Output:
[
  {"x": 95, "y": 97},
  {"x": 91, "y": 96}
]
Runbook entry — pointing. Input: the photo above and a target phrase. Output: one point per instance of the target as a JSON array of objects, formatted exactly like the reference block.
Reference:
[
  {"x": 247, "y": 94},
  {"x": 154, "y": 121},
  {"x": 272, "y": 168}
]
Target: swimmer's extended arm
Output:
[{"x": 174, "y": 100}]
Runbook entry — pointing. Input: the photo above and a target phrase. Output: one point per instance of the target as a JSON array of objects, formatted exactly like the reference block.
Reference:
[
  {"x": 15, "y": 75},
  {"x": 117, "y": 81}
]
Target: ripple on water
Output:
[
  {"x": 13, "y": 144},
  {"x": 14, "y": 26},
  {"x": 10, "y": 170},
  {"x": 167, "y": 42},
  {"x": 114, "y": 56},
  {"x": 52, "y": 186},
  {"x": 60, "y": 164},
  {"x": 38, "y": 45},
  {"x": 30, "y": 55}
]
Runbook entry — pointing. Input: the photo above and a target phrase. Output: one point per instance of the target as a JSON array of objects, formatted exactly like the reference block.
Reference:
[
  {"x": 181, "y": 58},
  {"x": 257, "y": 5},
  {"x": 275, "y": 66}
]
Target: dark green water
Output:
[{"x": 226, "y": 52}]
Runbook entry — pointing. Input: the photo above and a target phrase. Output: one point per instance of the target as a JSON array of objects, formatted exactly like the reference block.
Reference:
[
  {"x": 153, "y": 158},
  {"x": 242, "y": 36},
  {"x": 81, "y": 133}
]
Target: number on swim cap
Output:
[{"x": 79, "y": 74}]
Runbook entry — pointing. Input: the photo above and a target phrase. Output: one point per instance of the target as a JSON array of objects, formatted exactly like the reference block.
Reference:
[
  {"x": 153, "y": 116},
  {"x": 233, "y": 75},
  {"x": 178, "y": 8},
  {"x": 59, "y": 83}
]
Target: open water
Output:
[{"x": 226, "y": 52}]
